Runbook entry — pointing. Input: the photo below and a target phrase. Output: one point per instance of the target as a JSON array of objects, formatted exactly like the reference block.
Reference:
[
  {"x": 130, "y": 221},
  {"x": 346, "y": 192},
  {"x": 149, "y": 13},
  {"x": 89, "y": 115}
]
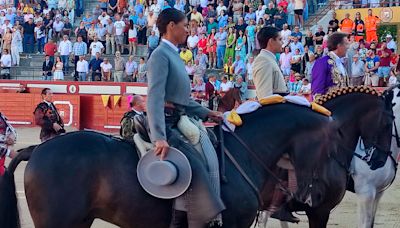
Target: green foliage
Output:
[{"x": 384, "y": 30}]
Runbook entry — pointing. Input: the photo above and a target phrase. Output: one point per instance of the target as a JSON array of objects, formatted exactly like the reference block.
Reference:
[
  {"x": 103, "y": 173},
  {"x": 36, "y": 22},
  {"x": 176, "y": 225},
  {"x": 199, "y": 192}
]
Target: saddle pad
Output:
[{"x": 300, "y": 100}]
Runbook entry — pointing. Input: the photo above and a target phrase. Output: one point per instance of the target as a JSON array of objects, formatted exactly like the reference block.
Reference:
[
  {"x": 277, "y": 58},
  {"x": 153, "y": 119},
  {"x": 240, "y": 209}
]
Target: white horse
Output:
[{"x": 369, "y": 185}]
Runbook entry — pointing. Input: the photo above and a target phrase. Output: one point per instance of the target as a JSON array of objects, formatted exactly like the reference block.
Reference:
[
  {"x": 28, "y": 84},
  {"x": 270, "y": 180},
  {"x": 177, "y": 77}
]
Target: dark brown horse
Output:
[
  {"x": 229, "y": 100},
  {"x": 72, "y": 179}
]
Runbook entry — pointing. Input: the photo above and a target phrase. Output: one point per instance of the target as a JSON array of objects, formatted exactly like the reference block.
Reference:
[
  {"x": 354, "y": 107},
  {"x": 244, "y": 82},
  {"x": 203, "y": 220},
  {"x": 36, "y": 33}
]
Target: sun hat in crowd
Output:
[
  {"x": 389, "y": 36},
  {"x": 165, "y": 179}
]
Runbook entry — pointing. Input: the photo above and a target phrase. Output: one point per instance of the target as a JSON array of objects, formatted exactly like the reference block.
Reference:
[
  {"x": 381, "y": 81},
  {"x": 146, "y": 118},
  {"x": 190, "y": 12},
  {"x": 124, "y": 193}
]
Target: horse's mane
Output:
[{"x": 346, "y": 90}]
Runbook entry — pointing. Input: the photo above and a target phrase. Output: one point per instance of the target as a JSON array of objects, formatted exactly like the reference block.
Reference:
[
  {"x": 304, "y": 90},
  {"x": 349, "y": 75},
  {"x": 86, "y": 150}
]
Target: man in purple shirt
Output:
[{"x": 329, "y": 71}]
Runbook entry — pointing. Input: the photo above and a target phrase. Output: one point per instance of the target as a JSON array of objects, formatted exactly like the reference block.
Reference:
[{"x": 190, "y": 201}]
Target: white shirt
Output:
[
  {"x": 339, "y": 64},
  {"x": 170, "y": 44},
  {"x": 119, "y": 27},
  {"x": 259, "y": 14},
  {"x": 203, "y": 3},
  {"x": 285, "y": 36},
  {"x": 106, "y": 66},
  {"x": 220, "y": 8},
  {"x": 96, "y": 47},
  {"x": 103, "y": 20},
  {"x": 192, "y": 41},
  {"x": 392, "y": 80},
  {"x": 225, "y": 87},
  {"x": 4, "y": 26},
  {"x": 132, "y": 33},
  {"x": 6, "y": 60},
  {"x": 39, "y": 33},
  {"x": 306, "y": 88},
  {"x": 249, "y": 68},
  {"x": 65, "y": 47},
  {"x": 82, "y": 66},
  {"x": 392, "y": 45},
  {"x": 58, "y": 26}
]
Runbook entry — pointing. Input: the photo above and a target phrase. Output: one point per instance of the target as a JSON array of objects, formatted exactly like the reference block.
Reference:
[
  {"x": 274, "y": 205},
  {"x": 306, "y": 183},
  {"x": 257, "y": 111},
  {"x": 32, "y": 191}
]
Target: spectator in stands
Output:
[
  {"x": 371, "y": 22},
  {"x": 295, "y": 86},
  {"x": 142, "y": 71},
  {"x": 309, "y": 66},
  {"x": 5, "y": 64},
  {"x": 384, "y": 54},
  {"x": 295, "y": 62},
  {"x": 40, "y": 36},
  {"x": 285, "y": 61},
  {"x": 50, "y": 49},
  {"x": 280, "y": 18},
  {"x": 29, "y": 41},
  {"x": 110, "y": 37},
  {"x": 392, "y": 79},
  {"x": 319, "y": 36},
  {"x": 152, "y": 42},
  {"x": 240, "y": 84},
  {"x": 390, "y": 43},
  {"x": 249, "y": 71},
  {"x": 142, "y": 29},
  {"x": 96, "y": 46},
  {"x": 334, "y": 23},
  {"x": 65, "y": 50},
  {"x": 225, "y": 86},
  {"x": 119, "y": 67},
  {"x": 67, "y": 29},
  {"x": 251, "y": 37},
  {"x": 230, "y": 44},
  {"x": 94, "y": 67},
  {"x": 371, "y": 69},
  {"x": 211, "y": 91},
  {"x": 47, "y": 68},
  {"x": 202, "y": 58},
  {"x": 16, "y": 45},
  {"x": 347, "y": 25},
  {"x": 359, "y": 27},
  {"x": 357, "y": 71},
  {"x": 106, "y": 70},
  {"x": 131, "y": 69},
  {"x": 239, "y": 67},
  {"x": 119, "y": 30},
  {"x": 7, "y": 38},
  {"x": 192, "y": 42},
  {"x": 82, "y": 67},
  {"x": 296, "y": 45},
  {"x": 58, "y": 27},
  {"x": 132, "y": 38},
  {"x": 186, "y": 55},
  {"x": 58, "y": 69},
  {"x": 79, "y": 49},
  {"x": 221, "y": 39}
]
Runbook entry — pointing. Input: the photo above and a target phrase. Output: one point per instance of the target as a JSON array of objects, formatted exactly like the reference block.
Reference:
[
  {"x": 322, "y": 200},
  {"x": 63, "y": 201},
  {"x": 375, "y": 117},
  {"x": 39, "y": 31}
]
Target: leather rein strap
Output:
[{"x": 224, "y": 151}]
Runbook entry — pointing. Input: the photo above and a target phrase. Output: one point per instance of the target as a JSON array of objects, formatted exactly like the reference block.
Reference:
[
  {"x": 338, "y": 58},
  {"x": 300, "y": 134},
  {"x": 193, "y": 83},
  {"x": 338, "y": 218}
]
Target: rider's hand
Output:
[
  {"x": 161, "y": 148},
  {"x": 56, "y": 127},
  {"x": 216, "y": 116}
]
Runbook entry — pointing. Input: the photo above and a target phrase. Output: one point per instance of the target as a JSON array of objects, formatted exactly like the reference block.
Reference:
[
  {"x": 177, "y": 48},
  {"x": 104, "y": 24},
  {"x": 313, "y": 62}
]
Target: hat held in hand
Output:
[{"x": 165, "y": 179}]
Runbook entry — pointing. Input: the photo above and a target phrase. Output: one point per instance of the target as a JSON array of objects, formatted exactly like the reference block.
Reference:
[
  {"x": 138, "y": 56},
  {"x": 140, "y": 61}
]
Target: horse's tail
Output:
[
  {"x": 23, "y": 155},
  {"x": 9, "y": 215}
]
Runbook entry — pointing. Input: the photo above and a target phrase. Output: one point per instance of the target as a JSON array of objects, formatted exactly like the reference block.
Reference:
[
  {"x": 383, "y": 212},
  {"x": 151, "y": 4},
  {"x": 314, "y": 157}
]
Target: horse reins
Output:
[{"x": 224, "y": 151}]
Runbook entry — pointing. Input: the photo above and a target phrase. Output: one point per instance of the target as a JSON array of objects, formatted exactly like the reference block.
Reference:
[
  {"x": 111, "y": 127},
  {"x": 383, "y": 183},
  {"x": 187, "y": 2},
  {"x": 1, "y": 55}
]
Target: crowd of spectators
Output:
[{"x": 222, "y": 36}]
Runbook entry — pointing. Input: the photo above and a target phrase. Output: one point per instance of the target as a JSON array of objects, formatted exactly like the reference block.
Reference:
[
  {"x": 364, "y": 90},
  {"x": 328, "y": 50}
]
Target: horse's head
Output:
[
  {"x": 362, "y": 112},
  {"x": 377, "y": 125},
  {"x": 7, "y": 132}
]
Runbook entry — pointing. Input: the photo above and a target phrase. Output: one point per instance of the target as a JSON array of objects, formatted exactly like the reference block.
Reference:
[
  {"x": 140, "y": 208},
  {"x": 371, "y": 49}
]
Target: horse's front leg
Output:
[
  {"x": 318, "y": 217},
  {"x": 366, "y": 207}
]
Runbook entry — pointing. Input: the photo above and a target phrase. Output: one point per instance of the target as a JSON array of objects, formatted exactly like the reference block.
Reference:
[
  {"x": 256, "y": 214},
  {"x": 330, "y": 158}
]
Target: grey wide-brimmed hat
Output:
[{"x": 165, "y": 179}]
